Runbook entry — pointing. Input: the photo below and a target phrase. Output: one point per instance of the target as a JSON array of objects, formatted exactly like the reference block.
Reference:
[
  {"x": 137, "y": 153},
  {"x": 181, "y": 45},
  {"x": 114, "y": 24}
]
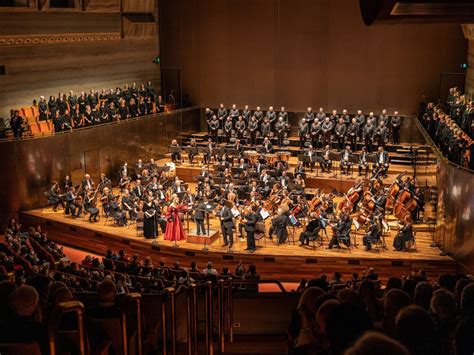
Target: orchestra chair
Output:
[
  {"x": 260, "y": 232},
  {"x": 410, "y": 245}
]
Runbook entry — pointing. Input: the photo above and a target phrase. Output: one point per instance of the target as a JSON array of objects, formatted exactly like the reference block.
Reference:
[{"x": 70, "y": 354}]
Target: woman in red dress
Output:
[{"x": 174, "y": 227}]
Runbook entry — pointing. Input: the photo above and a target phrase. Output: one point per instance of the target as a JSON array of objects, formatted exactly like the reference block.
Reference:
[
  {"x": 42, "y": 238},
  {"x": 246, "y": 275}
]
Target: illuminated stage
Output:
[{"x": 287, "y": 262}]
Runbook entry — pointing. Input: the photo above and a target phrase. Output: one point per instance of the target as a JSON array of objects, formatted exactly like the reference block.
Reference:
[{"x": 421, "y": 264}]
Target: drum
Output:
[
  {"x": 251, "y": 155},
  {"x": 284, "y": 156},
  {"x": 271, "y": 158}
]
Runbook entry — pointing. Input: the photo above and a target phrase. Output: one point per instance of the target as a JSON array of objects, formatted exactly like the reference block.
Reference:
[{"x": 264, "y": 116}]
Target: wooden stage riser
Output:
[{"x": 285, "y": 268}]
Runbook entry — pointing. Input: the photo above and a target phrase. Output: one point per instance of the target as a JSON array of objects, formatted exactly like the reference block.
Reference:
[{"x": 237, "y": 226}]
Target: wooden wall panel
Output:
[
  {"x": 140, "y": 6},
  {"x": 49, "y": 69},
  {"x": 52, "y": 23},
  {"x": 303, "y": 52}
]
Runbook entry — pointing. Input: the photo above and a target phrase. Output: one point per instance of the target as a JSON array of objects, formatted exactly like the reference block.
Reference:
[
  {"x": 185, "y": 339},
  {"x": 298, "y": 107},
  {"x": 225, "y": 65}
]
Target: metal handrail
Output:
[
  {"x": 435, "y": 148},
  {"x": 71, "y": 306},
  {"x": 136, "y": 298},
  {"x": 128, "y": 120}
]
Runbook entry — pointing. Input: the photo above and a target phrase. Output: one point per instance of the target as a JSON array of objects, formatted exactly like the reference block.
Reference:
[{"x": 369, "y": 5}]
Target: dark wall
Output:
[
  {"x": 455, "y": 213},
  {"x": 303, "y": 52},
  {"x": 29, "y": 166}
]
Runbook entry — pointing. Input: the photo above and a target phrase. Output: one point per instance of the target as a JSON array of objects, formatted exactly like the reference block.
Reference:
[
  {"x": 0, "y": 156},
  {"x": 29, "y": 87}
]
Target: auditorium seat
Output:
[
  {"x": 45, "y": 127},
  {"x": 20, "y": 349}
]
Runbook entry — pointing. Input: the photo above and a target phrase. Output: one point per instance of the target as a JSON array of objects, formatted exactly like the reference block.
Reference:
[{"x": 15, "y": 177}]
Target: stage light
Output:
[
  {"x": 157, "y": 60},
  {"x": 464, "y": 66}
]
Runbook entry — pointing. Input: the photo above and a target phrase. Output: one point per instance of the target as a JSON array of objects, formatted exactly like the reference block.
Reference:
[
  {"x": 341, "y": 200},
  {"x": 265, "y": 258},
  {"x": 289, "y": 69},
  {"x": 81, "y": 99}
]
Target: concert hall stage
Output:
[{"x": 286, "y": 262}]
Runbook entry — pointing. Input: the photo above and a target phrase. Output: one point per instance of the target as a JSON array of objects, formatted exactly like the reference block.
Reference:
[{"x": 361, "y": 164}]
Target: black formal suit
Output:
[
  {"x": 227, "y": 225},
  {"x": 343, "y": 229},
  {"x": 199, "y": 217},
  {"x": 372, "y": 236},
  {"x": 311, "y": 232},
  {"x": 250, "y": 226}
]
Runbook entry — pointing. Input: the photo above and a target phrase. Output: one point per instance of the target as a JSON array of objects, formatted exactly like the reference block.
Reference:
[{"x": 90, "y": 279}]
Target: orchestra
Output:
[{"x": 257, "y": 186}]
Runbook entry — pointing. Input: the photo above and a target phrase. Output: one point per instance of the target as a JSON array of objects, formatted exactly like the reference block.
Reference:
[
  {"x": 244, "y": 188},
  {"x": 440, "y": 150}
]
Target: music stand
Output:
[
  {"x": 353, "y": 158},
  {"x": 193, "y": 151},
  {"x": 334, "y": 157},
  {"x": 176, "y": 150},
  {"x": 371, "y": 159}
]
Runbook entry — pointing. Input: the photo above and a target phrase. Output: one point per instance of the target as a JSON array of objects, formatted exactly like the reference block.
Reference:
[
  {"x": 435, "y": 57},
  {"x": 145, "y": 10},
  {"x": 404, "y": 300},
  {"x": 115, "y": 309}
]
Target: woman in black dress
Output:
[{"x": 149, "y": 219}]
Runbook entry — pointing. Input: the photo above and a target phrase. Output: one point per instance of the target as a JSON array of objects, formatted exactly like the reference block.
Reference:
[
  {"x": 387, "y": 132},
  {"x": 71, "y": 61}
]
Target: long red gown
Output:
[{"x": 174, "y": 228}]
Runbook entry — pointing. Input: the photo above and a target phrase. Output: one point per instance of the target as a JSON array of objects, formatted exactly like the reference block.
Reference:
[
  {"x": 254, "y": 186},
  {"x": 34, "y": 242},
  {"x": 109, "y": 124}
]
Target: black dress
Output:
[{"x": 149, "y": 220}]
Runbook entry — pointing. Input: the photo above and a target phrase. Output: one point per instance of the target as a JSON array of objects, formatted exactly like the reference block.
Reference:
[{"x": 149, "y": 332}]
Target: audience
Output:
[
  {"x": 73, "y": 111},
  {"x": 451, "y": 126},
  {"x": 406, "y": 315}
]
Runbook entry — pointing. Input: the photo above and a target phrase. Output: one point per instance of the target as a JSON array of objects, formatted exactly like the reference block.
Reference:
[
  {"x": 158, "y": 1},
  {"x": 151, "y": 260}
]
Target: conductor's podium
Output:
[{"x": 203, "y": 240}]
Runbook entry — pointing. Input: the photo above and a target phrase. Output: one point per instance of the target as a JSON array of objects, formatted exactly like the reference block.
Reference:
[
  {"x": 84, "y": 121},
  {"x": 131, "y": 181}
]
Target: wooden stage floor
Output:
[{"x": 287, "y": 262}]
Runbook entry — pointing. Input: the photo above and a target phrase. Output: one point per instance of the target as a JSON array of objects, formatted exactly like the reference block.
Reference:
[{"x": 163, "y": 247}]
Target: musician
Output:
[
  {"x": 209, "y": 114},
  {"x": 258, "y": 113},
  {"x": 309, "y": 115},
  {"x": 150, "y": 229},
  {"x": 138, "y": 189},
  {"x": 311, "y": 154},
  {"x": 221, "y": 115},
  {"x": 214, "y": 128},
  {"x": 161, "y": 193},
  {"x": 90, "y": 203},
  {"x": 368, "y": 134},
  {"x": 272, "y": 117},
  {"x": 299, "y": 169},
  {"x": 123, "y": 169},
  {"x": 372, "y": 235},
  {"x": 253, "y": 129},
  {"x": 312, "y": 230},
  {"x": 119, "y": 216},
  {"x": 209, "y": 152},
  {"x": 175, "y": 152},
  {"x": 283, "y": 114},
  {"x": 234, "y": 113},
  {"x": 280, "y": 128},
  {"x": 87, "y": 182},
  {"x": 177, "y": 188},
  {"x": 267, "y": 145},
  {"x": 73, "y": 203},
  {"x": 382, "y": 161},
  {"x": 404, "y": 235},
  {"x": 345, "y": 116},
  {"x": 326, "y": 163},
  {"x": 345, "y": 160},
  {"x": 278, "y": 227},
  {"x": 227, "y": 223},
  {"x": 315, "y": 133},
  {"x": 300, "y": 181},
  {"x": 384, "y": 118},
  {"x": 239, "y": 148},
  {"x": 43, "y": 109},
  {"x": 199, "y": 215},
  {"x": 54, "y": 199},
  {"x": 396, "y": 123},
  {"x": 250, "y": 224},
  {"x": 326, "y": 129},
  {"x": 127, "y": 204},
  {"x": 228, "y": 128},
  {"x": 124, "y": 181},
  {"x": 66, "y": 183},
  {"x": 321, "y": 115},
  {"x": 241, "y": 165},
  {"x": 189, "y": 198},
  {"x": 303, "y": 131},
  {"x": 381, "y": 199},
  {"x": 380, "y": 134},
  {"x": 352, "y": 133},
  {"x": 240, "y": 127},
  {"x": 174, "y": 228},
  {"x": 419, "y": 196},
  {"x": 266, "y": 128},
  {"x": 246, "y": 114},
  {"x": 360, "y": 118},
  {"x": 192, "y": 150},
  {"x": 363, "y": 161},
  {"x": 342, "y": 231}
]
